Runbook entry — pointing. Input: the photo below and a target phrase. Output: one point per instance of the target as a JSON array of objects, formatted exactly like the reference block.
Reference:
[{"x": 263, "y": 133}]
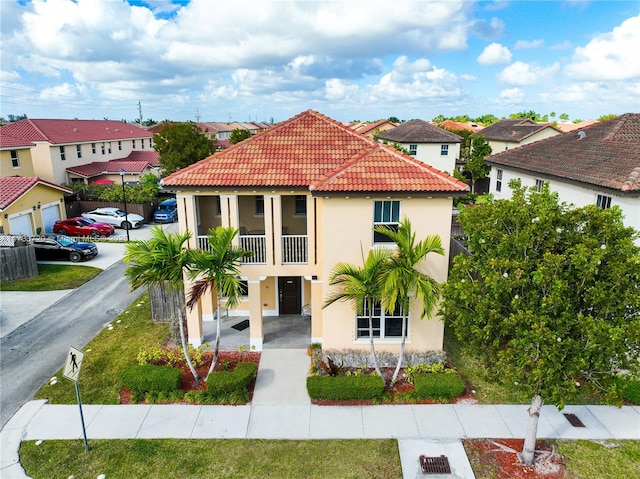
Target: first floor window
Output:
[
  {"x": 385, "y": 213},
  {"x": 603, "y": 201},
  {"x": 385, "y": 324},
  {"x": 444, "y": 150},
  {"x": 498, "y": 180},
  {"x": 15, "y": 163}
]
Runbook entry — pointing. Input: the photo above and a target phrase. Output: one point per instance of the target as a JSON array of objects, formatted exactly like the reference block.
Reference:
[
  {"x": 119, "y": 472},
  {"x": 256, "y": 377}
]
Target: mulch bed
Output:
[
  {"x": 226, "y": 360},
  {"x": 497, "y": 458}
]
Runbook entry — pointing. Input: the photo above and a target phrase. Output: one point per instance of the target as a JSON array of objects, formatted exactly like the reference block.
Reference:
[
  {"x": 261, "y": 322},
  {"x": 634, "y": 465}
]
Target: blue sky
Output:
[{"x": 257, "y": 60}]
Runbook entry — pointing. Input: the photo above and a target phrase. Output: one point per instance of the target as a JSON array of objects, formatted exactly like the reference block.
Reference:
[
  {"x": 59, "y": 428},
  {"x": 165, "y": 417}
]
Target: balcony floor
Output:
[{"x": 290, "y": 331}]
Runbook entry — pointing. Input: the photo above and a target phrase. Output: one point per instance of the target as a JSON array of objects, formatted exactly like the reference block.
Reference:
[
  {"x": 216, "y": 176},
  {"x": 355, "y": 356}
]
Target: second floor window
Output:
[
  {"x": 142, "y": 143},
  {"x": 78, "y": 151},
  {"x": 413, "y": 150},
  {"x": 259, "y": 205},
  {"x": 109, "y": 148},
  {"x": 119, "y": 145},
  {"x": 444, "y": 150},
  {"x": 62, "y": 156},
  {"x": 102, "y": 148},
  {"x": 15, "y": 162},
  {"x": 301, "y": 205},
  {"x": 603, "y": 201},
  {"x": 539, "y": 185},
  {"x": 134, "y": 144},
  {"x": 385, "y": 213},
  {"x": 93, "y": 148},
  {"x": 498, "y": 180}
]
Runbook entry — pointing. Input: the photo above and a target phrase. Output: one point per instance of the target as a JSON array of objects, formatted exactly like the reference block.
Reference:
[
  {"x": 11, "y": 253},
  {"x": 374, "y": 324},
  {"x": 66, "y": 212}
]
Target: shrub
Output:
[
  {"x": 424, "y": 368},
  {"x": 630, "y": 390},
  {"x": 438, "y": 385},
  {"x": 223, "y": 383},
  {"x": 345, "y": 387},
  {"x": 151, "y": 378},
  {"x": 170, "y": 355}
]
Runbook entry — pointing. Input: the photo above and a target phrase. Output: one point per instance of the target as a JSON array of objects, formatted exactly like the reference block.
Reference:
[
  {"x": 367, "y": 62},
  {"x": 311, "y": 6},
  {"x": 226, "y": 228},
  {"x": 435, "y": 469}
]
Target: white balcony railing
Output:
[
  {"x": 295, "y": 249},
  {"x": 258, "y": 245}
]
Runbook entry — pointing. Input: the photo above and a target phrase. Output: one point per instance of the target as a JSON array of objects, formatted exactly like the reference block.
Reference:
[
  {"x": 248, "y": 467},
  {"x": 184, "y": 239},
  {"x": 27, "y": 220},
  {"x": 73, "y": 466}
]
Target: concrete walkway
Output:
[{"x": 281, "y": 409}]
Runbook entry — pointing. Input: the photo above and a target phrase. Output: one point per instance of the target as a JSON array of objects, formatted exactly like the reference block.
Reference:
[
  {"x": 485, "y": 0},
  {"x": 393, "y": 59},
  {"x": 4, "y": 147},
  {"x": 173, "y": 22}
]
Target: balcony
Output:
[{"x": 295, "y": 248}]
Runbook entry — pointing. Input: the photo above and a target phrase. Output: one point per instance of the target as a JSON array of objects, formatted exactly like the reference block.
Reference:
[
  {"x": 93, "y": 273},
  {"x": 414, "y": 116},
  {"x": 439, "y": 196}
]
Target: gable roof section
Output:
[
  {"x": 514, "y": 130},
  {"x": 73, "y": 131},
  {"x": 13, "y": 187},
  {"x": 419, "y": 131},
  {"x": 8, "y": 142},
  {"x": 312, "y": 151},
  {"x": 605, "y": 154},
  {"x": 136, "y": 162}
]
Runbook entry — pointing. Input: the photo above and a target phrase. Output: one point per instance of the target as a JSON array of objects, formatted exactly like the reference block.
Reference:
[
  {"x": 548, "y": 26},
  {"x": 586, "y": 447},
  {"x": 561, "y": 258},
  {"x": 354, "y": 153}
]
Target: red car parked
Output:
[{"x": 82, "y": 227}]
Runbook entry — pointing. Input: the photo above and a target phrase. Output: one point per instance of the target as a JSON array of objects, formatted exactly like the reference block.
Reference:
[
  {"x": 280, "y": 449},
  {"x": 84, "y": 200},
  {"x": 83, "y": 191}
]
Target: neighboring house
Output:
[
  {"x": 61, "y": 144},
  {"x": 134, "y": 167},
  {"x": 428, "y": 143},
  {"x": 305, "y": 195},
  {"x": 220, "y": 132},
  {"x": 456, "y": 125},
  {"x": 566, "y": 127},
  {"x": 599, "y": 164},
  {"x": 30, "y": 205},
  {"x": 15, "y": 156},
  {"x": 507, "y": 134},
  {"x": 372, "y": 130}
]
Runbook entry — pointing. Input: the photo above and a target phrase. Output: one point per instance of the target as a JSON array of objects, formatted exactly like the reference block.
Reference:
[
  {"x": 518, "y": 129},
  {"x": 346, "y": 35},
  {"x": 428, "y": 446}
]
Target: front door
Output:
[{"x": 290, "y": 291}]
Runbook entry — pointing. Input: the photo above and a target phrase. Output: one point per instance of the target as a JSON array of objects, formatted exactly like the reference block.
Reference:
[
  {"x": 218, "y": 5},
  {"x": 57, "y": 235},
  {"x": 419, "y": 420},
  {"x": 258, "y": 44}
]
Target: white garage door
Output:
[
  {"x": 21, "y": 225},
  {"x": 50, "y": 215}
]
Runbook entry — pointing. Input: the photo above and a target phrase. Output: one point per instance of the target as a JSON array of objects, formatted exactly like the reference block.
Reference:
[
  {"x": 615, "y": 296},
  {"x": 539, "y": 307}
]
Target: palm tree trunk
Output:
[
  {"x": 527, "y": 456},
  {"x": 401, "y": 354},
  {"x": 216, "y": 348},
  {"x": 373, "y": 348},
  {"x": 185, "y": 349}
]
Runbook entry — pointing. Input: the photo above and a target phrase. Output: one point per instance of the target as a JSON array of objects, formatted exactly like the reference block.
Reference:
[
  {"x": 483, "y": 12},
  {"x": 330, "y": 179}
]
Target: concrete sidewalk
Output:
[{"x": 281, "y": 409}]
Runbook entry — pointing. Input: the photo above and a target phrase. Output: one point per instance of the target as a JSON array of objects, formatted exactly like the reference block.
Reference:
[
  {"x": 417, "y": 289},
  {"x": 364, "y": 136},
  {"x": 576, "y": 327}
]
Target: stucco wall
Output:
[{"x": 25, "y": 167}]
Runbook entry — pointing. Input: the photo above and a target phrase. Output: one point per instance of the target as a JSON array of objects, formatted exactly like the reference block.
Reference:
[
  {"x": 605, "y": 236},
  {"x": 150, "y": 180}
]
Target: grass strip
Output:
[
  {"x": 219, "y": 458},
  {"x": 108, "y": 355},
  {"x": 53, "y": 277},
  {"x": 601, "y": 459}
]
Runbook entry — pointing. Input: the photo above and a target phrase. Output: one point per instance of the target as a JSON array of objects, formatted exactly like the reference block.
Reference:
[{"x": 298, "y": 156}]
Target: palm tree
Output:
[
  {"x": 361, "y": 286},
  {"x": 404, "y": 282},
  {"x": 217, "y": 269},
  {"x": 159, "y": 262}
]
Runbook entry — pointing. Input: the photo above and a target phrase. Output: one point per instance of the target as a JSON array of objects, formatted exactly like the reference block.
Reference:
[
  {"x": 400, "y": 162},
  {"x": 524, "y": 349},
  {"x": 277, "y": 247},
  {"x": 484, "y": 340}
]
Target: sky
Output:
[{"x": 352, "y": 60}]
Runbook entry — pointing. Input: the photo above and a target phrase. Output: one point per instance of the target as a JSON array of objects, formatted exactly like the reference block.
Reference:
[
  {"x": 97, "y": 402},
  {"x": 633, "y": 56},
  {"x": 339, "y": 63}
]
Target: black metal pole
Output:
[
  {"x": 84, "y": 431},
  {"x": 124, "y": 201}
]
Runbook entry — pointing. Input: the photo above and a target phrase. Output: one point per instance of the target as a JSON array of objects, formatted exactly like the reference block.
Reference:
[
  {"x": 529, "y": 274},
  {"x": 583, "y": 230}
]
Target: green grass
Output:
[
  {"x": 108, "y": 355},
  {"x": 488, "y": 388},
  {"x": 54, "y": 277},
  {"x": 219, "y": 458},
  {"x": 601, "y": 459}
]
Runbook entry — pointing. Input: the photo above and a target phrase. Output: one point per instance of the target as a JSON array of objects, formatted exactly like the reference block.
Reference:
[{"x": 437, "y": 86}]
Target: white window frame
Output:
[
  {"x": 15, "y": 160},
  {"x": 385, "y": 212},
  {"x": 300, "y": 205},
  {"x": 259, "y": 206},
  {"x": 603, "y": 201},
  {"x": 119, "y": 145},
  {"x": 381, "y": 317},
  {"x": 93, "y": 148},
  {"x": 498, "y": 180},
  {"x": 78, "y": 151},
  {"x": 444, "y": 150},
  {"x": 539, "y": 185},
  {"x": 103, "y": 148},
  {"x": 413, "y": 150},
  {"x": 63, "y": 157}
]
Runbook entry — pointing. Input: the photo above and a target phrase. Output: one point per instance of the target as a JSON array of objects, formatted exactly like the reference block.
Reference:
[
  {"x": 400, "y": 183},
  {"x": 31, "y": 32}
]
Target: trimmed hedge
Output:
[
  {"x": 227, "y": 382},
  {"x": 630, "y": 390},
  {"x": 439, "y": 385},
  {"x": 151, "y": 378},
  {"x": 345, "y": 387}
]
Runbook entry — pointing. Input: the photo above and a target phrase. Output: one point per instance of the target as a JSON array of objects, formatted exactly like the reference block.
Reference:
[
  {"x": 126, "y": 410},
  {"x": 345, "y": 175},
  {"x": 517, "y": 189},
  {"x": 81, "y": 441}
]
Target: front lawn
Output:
[{"x": 54, "y": 277}]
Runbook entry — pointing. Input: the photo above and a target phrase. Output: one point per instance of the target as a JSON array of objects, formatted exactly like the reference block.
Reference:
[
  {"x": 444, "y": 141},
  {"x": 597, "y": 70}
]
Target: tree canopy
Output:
[
  {"x": 180, "y": 145},
  {"x": 549, "y": 296},
  {"x": 238, "y": 135}
]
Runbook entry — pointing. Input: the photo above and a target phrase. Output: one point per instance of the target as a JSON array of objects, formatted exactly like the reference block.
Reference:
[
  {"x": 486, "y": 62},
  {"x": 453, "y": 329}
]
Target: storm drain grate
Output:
[
  {"x": 573, "y": 419},
  {"x": 435, "y": 465}
]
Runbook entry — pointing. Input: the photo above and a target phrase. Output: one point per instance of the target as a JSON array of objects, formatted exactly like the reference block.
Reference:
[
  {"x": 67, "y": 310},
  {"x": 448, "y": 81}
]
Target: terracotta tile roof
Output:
[
  {"x": 365, "y": 128},
  {"x": 456, "y": 125},
  {"x": 514, "y": 130},
  {"x": 136, "y": 162},
  {"x": 605, "y": 154},
  {"x": 419, "y": 131},
  {"x": 8, "y": 142},
  {"x": 13, "y": 187},
  {"x": 567, "y": 127},
  {"x": 73, "y": 131},
  {"x": 311, "y": 150}
]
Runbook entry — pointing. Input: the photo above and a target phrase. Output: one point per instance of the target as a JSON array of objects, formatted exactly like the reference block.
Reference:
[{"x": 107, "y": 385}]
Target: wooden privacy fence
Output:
[
  {"x": 456, "y": 248},
  {"x": 16, "y": 262}
]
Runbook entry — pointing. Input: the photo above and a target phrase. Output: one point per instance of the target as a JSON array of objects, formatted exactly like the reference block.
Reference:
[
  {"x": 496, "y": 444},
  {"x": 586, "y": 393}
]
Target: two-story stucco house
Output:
[
  {"x": 598, "y": 164},
  {"x": 15, "y": 156},
  {"x": 509, "y": 133},
  {"x": 61, "y": 144},
  {"x": 305, "y": 195},
  {"x": 428, "y": 143}
]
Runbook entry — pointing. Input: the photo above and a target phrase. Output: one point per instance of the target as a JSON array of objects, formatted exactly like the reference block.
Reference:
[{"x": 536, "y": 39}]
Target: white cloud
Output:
[
  {"x": 338, "y": 90},
  {"x": 495, "y": 54},
  {"x": 524, "y": 74},
  {"x": 610, "y": 56},
  {"x": 512, "y": 95},
  {"x": 525, "y": 44},
  {"x": 9, "y": 76}
]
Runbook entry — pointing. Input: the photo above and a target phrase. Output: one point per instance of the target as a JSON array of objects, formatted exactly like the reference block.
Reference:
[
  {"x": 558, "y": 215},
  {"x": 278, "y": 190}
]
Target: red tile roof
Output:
[
  {"x": 136, "y": 162},
  {"x": 11, "y": 142},
  {"x": 73, "y": 131},
  {"x": 605, "y": 154},
  {"x": 456, "y": 125},
  {"x": 313, "y": 151},
  {"x": 419, "y": 131},
  {"x": 13, "y": 187}
]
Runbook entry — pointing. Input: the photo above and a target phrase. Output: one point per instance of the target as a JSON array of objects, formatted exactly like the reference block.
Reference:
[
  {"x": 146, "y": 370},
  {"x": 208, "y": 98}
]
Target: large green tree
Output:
[
  {"x": 238, "y": 135},
  {"x": 180, "y": 145},
  {"x": 404, "y": 281},
  {"x": 362, "y": 287},
  {"x": 159, "y": 263},
  {"x": 549, "y": 297},
  {"x": 216, "y": 269},
  {"x": 475, "y": 164}
]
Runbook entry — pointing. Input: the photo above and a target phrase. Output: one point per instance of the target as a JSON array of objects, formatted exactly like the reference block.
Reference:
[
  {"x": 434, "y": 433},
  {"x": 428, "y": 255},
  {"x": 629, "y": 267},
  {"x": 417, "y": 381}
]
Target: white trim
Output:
[
  {"x": 255, "y": 344},
  {"x": 316, "y": 340},
  {"x": 196, "y": 342},
  {"x": 380, "y": 341}
]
